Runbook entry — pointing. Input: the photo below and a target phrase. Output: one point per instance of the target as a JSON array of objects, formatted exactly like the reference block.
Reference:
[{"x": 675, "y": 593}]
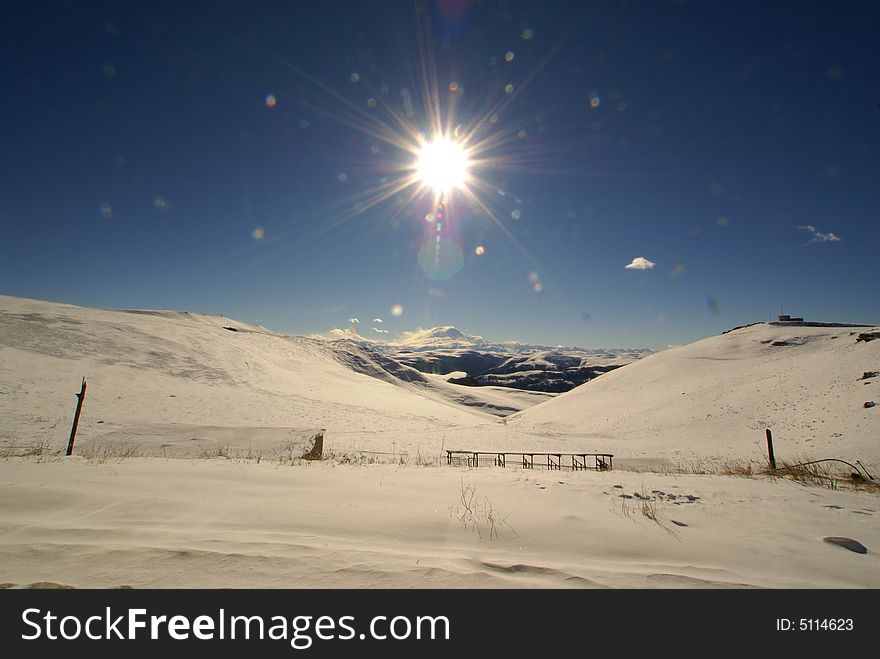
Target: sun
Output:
[{"x": 442, "y": 165}]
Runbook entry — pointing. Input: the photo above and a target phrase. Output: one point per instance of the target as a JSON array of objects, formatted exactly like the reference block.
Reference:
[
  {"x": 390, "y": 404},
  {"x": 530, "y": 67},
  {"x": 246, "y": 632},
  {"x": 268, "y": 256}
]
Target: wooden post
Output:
[
  {"x": 770, "y": 450},
  {"x": 81, "y": 396},
  {"x": 317, "y": 450}
]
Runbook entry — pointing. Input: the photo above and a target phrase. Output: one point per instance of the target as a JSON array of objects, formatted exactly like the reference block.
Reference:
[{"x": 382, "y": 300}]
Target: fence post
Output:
[
  {"x": 770, "y": 450},
  {"x": 81, "y": 396},
  {"x": 317, "y": 450}
]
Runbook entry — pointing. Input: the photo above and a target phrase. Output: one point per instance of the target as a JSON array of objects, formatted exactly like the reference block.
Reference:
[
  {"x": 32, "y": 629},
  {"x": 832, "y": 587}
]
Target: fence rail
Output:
[{"x": 531, "y": 459}]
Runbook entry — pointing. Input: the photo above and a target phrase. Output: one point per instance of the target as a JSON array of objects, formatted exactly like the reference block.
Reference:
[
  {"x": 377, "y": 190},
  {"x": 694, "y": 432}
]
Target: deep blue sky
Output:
[{"x": 140, "y": 155}]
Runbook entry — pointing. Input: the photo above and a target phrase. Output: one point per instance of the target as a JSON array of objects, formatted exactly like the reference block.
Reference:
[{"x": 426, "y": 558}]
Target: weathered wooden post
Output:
[
  {"x": 317, "y": 450},
  {"x": 81, "y": 396},
  {"x": 770, "y": 450}
]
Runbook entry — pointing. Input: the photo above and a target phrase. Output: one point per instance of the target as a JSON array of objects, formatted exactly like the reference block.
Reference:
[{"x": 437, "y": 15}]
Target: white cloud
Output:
[
  {"x": 336, "y": 333},
  {"x": 380, "y": 331},
  {"x": 353, "y": 321},
  {"x": 640, "y": 263},
  {"x": 377, "y": 320},
  {"x": 819, "y": 236}
]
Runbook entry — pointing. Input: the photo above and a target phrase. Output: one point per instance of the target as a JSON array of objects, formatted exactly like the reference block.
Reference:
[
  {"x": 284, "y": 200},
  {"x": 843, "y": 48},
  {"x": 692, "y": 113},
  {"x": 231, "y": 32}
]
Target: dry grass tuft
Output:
[
  {"x": 99, "y": 453},
  {"x": 831, "y": 473},
  {"x": 645, "y": 503},
  {"x": 478, "y": 514},
  {"x": 42, "y": 451}
]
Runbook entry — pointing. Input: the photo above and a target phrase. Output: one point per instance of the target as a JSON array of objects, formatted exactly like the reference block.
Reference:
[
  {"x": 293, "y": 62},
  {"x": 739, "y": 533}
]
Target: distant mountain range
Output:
[
  {"x": 449, "y": 338},
  {"x": 479, "y": 362}
]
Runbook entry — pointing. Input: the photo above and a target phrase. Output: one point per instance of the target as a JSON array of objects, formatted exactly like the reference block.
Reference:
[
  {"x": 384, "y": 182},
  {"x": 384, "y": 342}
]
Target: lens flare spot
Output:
[
  {"x": 528, "y": 34},
  {"x": 508, "y": 57},
  {"x": 106, "y": 211},
  {"x": 397, "y": 310},
  {"x": 508, "y": 88},
  {"x": 354, "y": 77},
  {"x": 258, "y": 233},
  {"x": 371, "y": 102},
  {"x": 538, "y": 287},
  {"x": 453, "y": 87},
  {"x": 521, "y": 134},
  {"x": 343, "y": 177},
  {"x": 304, "y": 123},
  {"x": 271, "y": 101},
  {"x": 480, "y": 250},
  {"x": 595, "y": 101},
  {"x": 441, "y": 259},
  {"x": 515, "y": 214},
  {"x": 162, "y": 204}
]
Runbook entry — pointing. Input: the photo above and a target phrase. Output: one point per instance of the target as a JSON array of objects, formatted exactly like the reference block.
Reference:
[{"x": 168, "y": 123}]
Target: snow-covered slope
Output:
[
  {"x": 155, "y": 375},
  {"x": 154, "y": 523},
  {"x": 717, "y": 396},
  {"x": 184, "y": 381}
]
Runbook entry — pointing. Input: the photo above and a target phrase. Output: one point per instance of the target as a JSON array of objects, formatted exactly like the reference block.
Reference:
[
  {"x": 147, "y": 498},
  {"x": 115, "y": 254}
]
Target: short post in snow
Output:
[
  {"x": 770, "y": 450},
  {"x": 81, "y": 396}
]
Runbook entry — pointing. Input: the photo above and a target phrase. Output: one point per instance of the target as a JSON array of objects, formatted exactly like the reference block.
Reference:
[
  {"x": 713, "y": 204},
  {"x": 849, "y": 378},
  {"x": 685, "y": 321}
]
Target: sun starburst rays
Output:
[{"x": 439, "y": 161}]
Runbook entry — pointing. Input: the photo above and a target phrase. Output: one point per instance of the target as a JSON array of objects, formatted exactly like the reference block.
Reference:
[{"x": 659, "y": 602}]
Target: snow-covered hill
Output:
[
  {"x": 717, "y": 396},
  {"x": 190, "y": 380},
  {"x": 185, "y": 381}
]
